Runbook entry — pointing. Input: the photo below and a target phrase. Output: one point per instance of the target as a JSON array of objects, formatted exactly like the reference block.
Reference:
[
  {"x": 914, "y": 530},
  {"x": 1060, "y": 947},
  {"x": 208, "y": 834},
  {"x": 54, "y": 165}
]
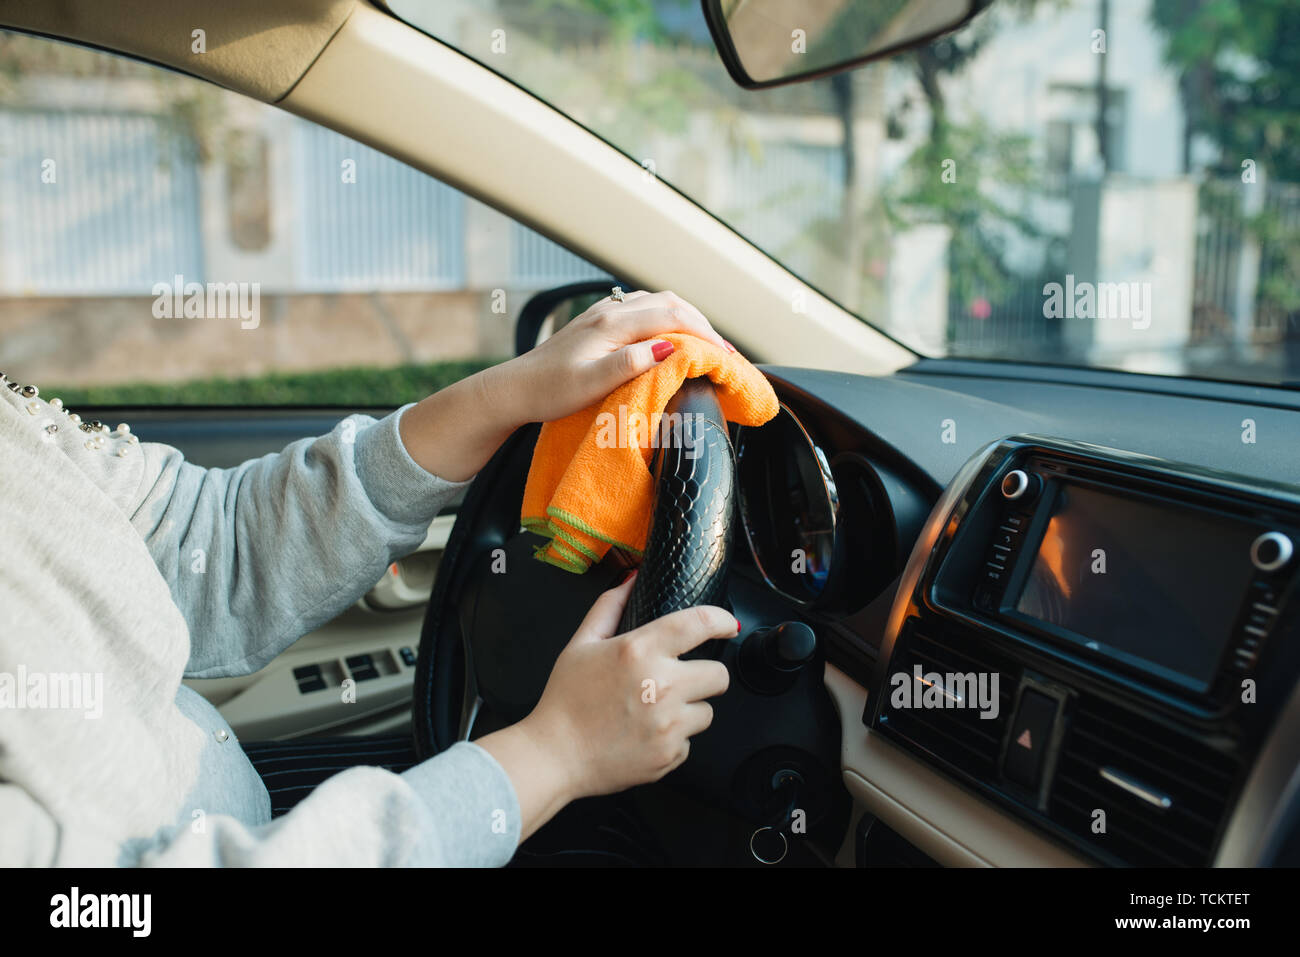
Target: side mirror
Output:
[{"x": 772, "y": 42}]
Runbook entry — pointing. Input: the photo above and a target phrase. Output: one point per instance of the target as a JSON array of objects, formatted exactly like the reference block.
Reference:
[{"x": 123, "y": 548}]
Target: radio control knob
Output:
[
  {"x": 1271, "y": 551},
  {"x": 1015, "y": 484}
]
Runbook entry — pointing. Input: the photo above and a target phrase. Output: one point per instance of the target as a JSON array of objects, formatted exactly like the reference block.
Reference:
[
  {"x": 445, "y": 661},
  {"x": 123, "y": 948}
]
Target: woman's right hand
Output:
[
  {"x": 617, "y": 711},
  {"x": 621, "y": 709}
]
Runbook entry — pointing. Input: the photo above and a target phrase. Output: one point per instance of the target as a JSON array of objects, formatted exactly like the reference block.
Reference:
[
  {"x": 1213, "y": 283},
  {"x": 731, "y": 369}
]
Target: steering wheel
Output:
[
  {"x": 488, "y": 586},
  {"x": 498, "y": 619}
]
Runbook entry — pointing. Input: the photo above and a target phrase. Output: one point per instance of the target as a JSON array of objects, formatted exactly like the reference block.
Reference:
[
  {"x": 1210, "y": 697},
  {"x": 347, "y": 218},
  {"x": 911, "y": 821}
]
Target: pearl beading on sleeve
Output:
[{"x": 98, "y": 433}]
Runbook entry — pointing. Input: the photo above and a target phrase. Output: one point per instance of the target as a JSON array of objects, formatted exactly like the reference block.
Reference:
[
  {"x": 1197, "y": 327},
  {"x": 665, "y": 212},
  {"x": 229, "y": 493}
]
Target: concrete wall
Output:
[{"x": 78, "y": 341}]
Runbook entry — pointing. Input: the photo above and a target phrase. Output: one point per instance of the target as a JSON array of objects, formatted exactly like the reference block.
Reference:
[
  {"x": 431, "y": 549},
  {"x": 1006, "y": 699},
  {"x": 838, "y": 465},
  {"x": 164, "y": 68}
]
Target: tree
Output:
[
  {"x": 966, "y": 175},
  {"x": 1238, "y": 63},
  {"x": 1237, "y": 66}
]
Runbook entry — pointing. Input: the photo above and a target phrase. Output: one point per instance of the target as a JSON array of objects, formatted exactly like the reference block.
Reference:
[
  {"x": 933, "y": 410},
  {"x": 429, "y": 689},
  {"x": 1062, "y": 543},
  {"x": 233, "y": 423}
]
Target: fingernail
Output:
[
  {"x": 628, "y": 577},
  {"x": 737, "y": 626},
  {"x": 729, "y": 346},
  {"x": 662, "y": 350}
]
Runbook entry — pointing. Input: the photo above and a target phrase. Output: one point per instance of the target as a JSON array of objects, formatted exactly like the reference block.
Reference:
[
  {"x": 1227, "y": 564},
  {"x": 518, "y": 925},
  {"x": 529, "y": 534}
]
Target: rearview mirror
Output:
[{"x": 770, "y": 42}]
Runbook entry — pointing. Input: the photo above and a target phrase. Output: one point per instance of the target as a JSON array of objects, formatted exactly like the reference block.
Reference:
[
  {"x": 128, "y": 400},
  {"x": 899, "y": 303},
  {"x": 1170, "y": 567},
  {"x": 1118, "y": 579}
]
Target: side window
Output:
[{"x": 164, "y": 241}]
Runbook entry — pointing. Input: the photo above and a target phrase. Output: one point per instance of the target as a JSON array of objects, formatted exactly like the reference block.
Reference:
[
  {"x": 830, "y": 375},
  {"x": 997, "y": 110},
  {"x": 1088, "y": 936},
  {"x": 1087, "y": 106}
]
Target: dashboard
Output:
[{"x": 1054, "y": 635}]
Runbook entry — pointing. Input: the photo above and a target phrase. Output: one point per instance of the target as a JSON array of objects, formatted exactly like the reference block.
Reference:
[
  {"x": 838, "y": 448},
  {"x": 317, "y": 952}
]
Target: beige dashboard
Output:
[{"x": 949, "y": 824}]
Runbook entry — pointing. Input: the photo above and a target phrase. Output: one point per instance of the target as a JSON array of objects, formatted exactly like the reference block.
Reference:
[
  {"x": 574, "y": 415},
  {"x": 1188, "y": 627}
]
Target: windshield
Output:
[{"x": 1081, "y": 182}]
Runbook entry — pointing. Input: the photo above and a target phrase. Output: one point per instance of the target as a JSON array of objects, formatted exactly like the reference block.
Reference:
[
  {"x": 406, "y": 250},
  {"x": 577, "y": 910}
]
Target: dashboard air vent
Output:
[
  {"x": 1164, "y": 792},
  {"x": 955, "y": 735}
]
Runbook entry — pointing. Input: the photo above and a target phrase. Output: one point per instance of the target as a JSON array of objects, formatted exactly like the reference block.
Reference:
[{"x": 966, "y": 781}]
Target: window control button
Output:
[
  {"x": 357, "y": 662},
  {"x": 307, "y": 685},
  {"x": 306, "y": 671},
  {"x": 408, "y": 657},
  {"x": 364, "y": 674}
]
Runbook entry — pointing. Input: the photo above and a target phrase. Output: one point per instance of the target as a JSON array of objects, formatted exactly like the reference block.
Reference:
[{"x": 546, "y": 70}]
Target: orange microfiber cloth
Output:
[{"x": 590, "y": 488}]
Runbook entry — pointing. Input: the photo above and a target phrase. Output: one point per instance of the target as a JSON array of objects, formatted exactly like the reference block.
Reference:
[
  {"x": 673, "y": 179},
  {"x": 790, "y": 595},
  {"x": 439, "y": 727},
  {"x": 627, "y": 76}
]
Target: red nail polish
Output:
[
  {"x": 662, "y": 350},
  {"x": 628, "y": 577},
  {"x": 737, "y": 626}
]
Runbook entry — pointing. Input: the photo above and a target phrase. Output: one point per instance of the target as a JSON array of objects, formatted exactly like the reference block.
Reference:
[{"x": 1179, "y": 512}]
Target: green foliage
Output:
[
  {"x": 989, "y": 170},
  {"x": 358, "y": 387},
  {"x": 628, "y": 19},
  {"x": 1238, "y": 64},
  {"x": 1279, "y": 239},
  {"x": 647, "y": 75}
]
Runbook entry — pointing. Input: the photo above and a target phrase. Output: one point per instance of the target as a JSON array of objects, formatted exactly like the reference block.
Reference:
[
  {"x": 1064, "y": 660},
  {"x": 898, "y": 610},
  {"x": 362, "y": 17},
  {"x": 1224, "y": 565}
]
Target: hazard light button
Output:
[{"x": 1030, "y": 737}]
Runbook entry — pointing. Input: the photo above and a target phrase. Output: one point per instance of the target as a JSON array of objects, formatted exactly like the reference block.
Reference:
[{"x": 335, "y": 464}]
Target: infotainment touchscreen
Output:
[{"x": 1154, "y": 584}]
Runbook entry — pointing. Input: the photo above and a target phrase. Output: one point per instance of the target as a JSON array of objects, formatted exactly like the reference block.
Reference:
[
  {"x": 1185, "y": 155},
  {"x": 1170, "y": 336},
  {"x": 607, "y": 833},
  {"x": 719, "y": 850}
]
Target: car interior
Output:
[{"x": 998, "y": 609}]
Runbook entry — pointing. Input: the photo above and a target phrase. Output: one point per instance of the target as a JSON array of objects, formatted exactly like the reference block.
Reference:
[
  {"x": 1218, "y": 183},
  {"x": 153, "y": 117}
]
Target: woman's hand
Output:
[
  {"x": 453, "y": 433},
  {"x": 618, "y": 710},
  {"x": 609, "y": 344}
]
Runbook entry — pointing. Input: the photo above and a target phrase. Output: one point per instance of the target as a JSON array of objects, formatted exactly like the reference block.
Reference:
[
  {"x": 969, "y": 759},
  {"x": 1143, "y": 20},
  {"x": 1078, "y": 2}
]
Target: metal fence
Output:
[
  {"x": 1245, "y": 261},
  {"x": 95, "y": 204},
  {"x": 109, "y": 203},
  {"x": 536, "y": 262},
  {"x": 366, "y": 221},
  {"x": 1243, "y": 282},
  {"x": 1220, "y": 231},
  {"x": 397, "y": 228},
  {"x": 1277, "y": 310},
  {"x": 1008, "y": 320}
]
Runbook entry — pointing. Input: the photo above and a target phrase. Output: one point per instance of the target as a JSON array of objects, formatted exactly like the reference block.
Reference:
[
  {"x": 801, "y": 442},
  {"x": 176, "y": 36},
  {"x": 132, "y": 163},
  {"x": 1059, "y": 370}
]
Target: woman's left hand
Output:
[{"x": 455, "y": 432}]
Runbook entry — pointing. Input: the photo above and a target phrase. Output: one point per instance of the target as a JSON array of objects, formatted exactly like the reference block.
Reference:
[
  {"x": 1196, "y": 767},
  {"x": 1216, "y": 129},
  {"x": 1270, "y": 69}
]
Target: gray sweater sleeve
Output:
[
  {"x": 457, "y": 809},
  {"x": 258, "y": 555}
]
